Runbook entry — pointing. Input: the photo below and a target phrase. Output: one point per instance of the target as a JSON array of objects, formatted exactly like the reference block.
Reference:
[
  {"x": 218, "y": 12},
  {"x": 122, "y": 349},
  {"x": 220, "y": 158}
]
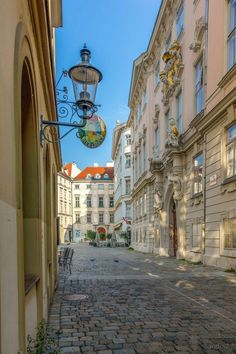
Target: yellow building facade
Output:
[{"x": 28, "y": 177}]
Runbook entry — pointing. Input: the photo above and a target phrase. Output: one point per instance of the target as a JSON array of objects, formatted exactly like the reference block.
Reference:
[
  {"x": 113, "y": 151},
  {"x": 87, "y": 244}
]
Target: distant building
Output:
[
  {"x": 121, "y": 154},
  {"x": 64, "y": 184},
  {"x": 93, "y": 201}
]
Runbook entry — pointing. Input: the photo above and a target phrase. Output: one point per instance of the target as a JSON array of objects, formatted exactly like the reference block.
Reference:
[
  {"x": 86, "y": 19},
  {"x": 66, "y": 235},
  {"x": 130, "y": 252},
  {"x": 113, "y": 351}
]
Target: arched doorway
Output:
[
  {"x": 173, "y": 236},
  {"x": 30, "y": 203},
  {"x": 101, "y": 230}
]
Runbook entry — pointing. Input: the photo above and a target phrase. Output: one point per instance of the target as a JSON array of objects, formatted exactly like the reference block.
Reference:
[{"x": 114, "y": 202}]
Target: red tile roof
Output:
[
  {"x": 68, "y": 168},
  {"x": 94, "y": 170}
]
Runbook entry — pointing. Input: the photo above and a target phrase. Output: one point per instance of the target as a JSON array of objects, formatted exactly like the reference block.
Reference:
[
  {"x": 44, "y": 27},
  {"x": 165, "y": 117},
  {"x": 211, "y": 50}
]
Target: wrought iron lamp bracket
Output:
[{"x": 49, "y": 130}]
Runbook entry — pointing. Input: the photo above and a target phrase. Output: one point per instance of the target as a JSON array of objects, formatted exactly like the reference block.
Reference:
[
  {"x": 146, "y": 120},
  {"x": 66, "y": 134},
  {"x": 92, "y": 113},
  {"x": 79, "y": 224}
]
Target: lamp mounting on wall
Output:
[{"x": 85, "y": 79}]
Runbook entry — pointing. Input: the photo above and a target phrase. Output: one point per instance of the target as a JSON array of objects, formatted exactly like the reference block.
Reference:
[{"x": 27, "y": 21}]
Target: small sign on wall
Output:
[{"x": 213, "y": 180}]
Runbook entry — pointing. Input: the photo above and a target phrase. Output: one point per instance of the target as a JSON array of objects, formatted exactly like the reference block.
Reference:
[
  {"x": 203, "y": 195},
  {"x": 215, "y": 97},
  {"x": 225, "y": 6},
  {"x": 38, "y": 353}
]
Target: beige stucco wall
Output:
[{"x": 19, "y": 30}]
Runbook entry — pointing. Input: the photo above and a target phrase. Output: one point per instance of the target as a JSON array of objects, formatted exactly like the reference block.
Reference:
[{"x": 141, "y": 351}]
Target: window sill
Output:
[
  {"x": 197, "y": 195},
  {"x": 230, "y": 75},
  {"x": 229, "y": 180},
  {"x": 30, "y": 282}
]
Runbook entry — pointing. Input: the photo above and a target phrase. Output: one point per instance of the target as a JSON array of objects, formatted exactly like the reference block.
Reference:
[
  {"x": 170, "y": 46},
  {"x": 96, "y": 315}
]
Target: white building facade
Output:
[
  {"x": 121, "y": 154},
  {"x": 93, "y": 201}
]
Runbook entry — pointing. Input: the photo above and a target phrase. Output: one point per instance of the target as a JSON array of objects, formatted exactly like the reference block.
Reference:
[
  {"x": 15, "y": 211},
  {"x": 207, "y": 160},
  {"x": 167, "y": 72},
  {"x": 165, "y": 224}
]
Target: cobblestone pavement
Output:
[{"x": 141, "y": 303}]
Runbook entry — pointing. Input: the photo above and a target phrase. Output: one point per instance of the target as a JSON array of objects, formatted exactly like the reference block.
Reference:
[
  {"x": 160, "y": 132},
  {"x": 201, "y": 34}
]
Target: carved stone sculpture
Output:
[
  {"x": 177, "y": 187},
  {"x": 170, "y": 76},
  {"x": 173, "y": 134},
  {"x": 158, "y": 198}
]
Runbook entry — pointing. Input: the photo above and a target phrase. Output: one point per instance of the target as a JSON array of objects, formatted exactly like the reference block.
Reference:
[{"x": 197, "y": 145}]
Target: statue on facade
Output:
[
  {"x": 173, "y": 134},
  {"x": 170, "y": 75},
  {"x": 177, "y": 187},
  {"x": 158, "y": 198}
]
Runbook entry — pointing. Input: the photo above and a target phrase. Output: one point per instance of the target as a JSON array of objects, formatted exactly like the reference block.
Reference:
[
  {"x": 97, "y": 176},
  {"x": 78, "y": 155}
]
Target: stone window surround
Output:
[
  {"x": 197, "y": 220},
  {"x": 226, "y": 182},
  {"x": 226, "y": 215}
]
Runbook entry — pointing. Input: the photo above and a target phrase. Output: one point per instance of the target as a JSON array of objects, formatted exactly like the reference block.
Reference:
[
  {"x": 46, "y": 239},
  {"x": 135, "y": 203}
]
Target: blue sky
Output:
[{"x": 116, "y": 32}]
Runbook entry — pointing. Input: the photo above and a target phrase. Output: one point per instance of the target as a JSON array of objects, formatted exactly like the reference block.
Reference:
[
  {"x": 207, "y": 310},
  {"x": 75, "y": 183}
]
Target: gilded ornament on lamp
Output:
[{"x": 171, "y": 73}]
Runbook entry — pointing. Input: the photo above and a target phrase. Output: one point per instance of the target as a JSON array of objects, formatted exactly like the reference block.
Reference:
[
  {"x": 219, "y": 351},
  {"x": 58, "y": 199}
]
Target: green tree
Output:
[{"x": 91, "y": 235}]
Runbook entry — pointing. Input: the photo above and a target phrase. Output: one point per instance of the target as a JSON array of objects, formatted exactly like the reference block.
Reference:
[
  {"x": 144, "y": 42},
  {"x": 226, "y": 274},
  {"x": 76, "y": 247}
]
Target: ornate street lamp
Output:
[{"x": 85, "y": 79}]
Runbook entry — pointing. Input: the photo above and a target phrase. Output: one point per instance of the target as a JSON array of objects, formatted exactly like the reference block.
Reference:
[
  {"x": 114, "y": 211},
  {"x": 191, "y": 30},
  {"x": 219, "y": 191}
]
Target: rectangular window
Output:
[
  {"x": 89, "y": 186},
  {"x": 77, "y": 218},
  {"x": 89, "y": 201},
  {"x": 127, "y": 139},
  {"x": 168, "y": 42},
  {"x": 89, "y": 218},
  {"x": 111, "y": 202},
  {"x": 180, "y": 20},
  {"x": 231, "y": 151},
  {"x": 77, "y": 202},
  {"x": 229, "y": 233},
  {"x": 198, "y": 170},
  {"x": 127, "y": 186},
  {"x": 157, "y": 138},
  {"x": 144, "y": 157},
  {"x": 76, "y": 186},
  {"x": 100, "y": 218},
  {"x": 145, "y": 204},
  {"x": 111, "y": 218},
  {"x": 110, "y": 186},
  {"x": 128, "y": 209},
  {"x": 100, "y": 186},
  {"x": 144, "y": 98},
  {"x": 157, "y": 74},
  {"x": 199, "y": 86},
  {"x": 167, "y": 123},
  {"x": 127, "y": 160},
  {"x": 196, "y": 235},
  {"x": 100, "y": 202},
  {"x": 179, "y": 112},
  {"x": 232, "y": 34}
]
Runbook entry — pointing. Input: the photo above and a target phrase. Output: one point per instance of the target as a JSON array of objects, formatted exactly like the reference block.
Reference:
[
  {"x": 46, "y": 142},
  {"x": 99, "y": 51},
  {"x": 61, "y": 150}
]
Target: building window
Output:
[
  {"x": 157, "y": 74},
  {"x": 89, "y": 176},
  {"x": 196, "y": 235},
  {"x": 111, "y": 218},
  {"x": 145, "y": 204},
  {"x": 97, "y": 176},
  {"x": 110, "y": 186},
  {"x": 199, "y": 86},
  {"x": 180, "y": 20},
  {"x": 77, "y": 218},
  {"x": 144, "y": 156},
  {"x": 144, "y": 98},
  {"x": 100, "y": 218},
  {"x": 140, "y": 110},
  {"x": 111, "y": 202},
  {"x": 100, "y": 186},
  {"x": 229, "y": 233},
  {"x": 232, "y": 34},
  {"x": 77, "y": 202},
  {"x": 168, "y": 42},
  {"x": 136, "y": 118},
  {"x": 127, "y": 209},
  {"x": 106, "y": 176},
  {"x": 76, "y": 186},
  {"x": 157, "y": 138},
  {"x": 127, "y": 139},
  {"x": 167, "y": 122},
  {"x": 89, "y": 201},
  {"x": 89, "y": 186},
  {"x": 141, "y": 206},
  {"x": 127, "y": 160},
  {"x": 179, "y": 112},
  {"x": 127, "y": 186},
  {"x": 100, "y": 202},
  {"x": 198, "y": 169},
  {"x": 89, "y": 218},
  {"x": 231, "y": 151}
]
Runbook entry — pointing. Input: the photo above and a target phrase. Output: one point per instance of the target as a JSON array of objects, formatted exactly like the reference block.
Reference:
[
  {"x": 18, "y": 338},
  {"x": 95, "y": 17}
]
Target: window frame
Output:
[
  {"x": 199, "y": 85},
  {"x": 195, "y": 178},
  {"x": 230, "y": 142},
  {"x": 180, "y": 15},
  {"x": 231, "y": 37}
]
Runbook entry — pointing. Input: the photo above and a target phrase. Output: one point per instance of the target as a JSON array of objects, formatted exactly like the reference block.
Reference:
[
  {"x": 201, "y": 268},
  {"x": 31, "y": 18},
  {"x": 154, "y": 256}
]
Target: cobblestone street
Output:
[{"x": 139, "y": 303}]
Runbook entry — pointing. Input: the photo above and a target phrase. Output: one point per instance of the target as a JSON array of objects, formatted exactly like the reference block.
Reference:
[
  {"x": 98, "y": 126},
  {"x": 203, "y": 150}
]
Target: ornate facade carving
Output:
[
  {"x": 170, "y": 77},
  {"x": 173, "y": 134},
  {"x": 200, "y": 28},
  {"x": 158, "y": 197},
  {"x": 177, "y": 187}
]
